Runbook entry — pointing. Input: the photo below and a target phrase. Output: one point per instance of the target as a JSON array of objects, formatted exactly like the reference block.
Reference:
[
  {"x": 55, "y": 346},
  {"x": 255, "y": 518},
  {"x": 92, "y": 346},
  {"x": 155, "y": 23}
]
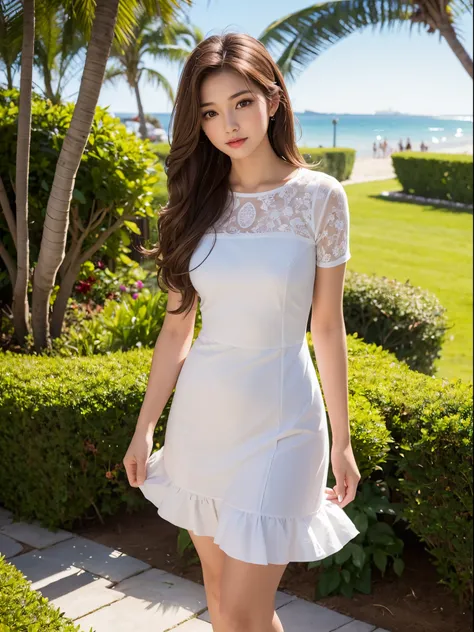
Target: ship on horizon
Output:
[{"x": 388, "y": 112}]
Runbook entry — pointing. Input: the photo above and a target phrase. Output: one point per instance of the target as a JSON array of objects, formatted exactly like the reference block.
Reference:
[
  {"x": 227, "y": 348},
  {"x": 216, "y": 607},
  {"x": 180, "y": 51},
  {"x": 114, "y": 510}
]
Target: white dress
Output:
[{"x": 246, "y": 451}]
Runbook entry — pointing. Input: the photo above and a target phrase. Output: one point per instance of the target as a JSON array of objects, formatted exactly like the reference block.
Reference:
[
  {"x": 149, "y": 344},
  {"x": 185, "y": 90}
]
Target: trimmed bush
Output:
[
  {"x": 430, "y": 420},
  {"x": 337, "y": 162},
  {"x": 437, "y": 492},
  {"x": 22, "y": 608},
  {"x": 404, "y": 319},
  {"x": 438, "y": 176}
]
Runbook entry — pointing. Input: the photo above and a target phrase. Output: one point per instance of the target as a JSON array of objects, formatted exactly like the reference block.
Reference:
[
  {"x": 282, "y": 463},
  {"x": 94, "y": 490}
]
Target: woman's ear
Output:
[{"x": 275, "y": 105}]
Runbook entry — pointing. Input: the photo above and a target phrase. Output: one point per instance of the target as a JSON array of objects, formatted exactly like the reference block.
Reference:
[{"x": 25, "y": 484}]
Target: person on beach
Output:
[
  {"x": 258, "y": 237},
  {"x": 400, "y": 145},
  {"x": 408, "y": 145},
  {"x": 374, "y": 150}
]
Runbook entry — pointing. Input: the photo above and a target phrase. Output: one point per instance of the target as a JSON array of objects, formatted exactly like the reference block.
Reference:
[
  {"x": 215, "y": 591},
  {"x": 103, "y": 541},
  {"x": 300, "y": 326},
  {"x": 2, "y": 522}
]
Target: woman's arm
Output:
[
  {"x": 172, "y": 346},
  {"x": 328, "y": 334}
]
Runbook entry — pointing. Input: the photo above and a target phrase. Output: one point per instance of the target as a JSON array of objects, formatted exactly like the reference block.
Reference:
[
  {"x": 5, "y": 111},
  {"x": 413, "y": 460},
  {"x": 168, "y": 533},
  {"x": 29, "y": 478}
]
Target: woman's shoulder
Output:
[{"x": 319, "y": 181}]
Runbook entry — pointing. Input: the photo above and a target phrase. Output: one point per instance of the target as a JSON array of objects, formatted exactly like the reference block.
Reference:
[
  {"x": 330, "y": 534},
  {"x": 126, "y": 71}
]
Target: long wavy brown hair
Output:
[{"x": 198, "y": 172}]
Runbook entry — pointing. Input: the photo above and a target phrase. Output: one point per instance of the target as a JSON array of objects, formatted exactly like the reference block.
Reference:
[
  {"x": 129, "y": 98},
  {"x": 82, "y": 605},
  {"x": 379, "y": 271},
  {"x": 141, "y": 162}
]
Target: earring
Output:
[{"x": 272, "y": 118}]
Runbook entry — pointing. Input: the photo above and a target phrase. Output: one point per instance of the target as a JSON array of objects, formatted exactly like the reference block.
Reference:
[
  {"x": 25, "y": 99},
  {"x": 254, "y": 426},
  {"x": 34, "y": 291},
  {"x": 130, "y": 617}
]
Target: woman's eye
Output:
[{"x": 212, "y": 111}]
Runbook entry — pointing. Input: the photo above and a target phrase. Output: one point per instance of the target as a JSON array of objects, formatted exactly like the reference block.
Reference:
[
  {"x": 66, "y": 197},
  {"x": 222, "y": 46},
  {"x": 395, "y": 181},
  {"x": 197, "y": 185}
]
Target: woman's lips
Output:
[{"x": 237, "y": 143}]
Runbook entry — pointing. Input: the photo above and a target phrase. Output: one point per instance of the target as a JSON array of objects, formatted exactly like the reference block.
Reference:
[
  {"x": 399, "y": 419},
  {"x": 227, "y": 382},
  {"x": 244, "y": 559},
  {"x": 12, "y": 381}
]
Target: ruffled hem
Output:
[{"x": 249, "y": 537}]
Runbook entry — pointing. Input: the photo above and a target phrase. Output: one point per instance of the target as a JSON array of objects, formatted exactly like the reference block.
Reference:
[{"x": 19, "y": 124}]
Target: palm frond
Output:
[
  {"x": 460, "y": 7},
  {"x": 298, "y": 38},
  {"x": 112, "y": 73},
  {"x": 160, "y": 81}
]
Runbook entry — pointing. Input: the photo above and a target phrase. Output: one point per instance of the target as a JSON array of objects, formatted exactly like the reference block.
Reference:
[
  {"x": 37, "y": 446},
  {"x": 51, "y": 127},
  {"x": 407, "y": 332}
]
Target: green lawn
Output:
[{"x": 431, "y": 247}]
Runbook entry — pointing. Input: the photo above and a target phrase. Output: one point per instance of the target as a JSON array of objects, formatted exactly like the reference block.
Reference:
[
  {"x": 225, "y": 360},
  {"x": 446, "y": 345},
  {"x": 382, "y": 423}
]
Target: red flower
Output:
[{"x": 83, "y": 287}]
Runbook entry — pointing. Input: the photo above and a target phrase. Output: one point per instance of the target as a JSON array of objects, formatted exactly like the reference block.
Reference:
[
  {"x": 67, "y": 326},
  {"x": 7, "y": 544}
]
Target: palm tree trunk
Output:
[
  {"x": 447, "y": 31},
  {"x": 141, "y": 113},
  {"x": 8, "y": 70},
  {"x": 60, "y": 304},
  {"x": 48, "y": 88},
  {"x": 53, "y": 242},
  {"x": 20, "y": 307}
]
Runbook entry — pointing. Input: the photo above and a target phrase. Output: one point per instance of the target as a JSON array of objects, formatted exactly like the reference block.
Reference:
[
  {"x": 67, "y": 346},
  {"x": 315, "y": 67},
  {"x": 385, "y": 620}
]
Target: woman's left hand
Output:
[{"x": 347, "y": 476}]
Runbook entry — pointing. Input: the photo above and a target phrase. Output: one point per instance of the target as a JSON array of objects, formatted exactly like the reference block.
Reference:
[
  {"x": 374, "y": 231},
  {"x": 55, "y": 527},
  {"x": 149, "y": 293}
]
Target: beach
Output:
[{"x": 367, "y": 169}]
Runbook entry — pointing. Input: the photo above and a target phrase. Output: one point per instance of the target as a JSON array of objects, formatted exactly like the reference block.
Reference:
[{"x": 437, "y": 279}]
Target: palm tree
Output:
[
  {"x": 20, "y": 307},
  {"x": 59, "y": 51},
  {"x": 10, "y": 46},
  {"x": 152, "y": 38},
  {"x": 102, "y": 20},
  {"x": 304, "y": 35}
]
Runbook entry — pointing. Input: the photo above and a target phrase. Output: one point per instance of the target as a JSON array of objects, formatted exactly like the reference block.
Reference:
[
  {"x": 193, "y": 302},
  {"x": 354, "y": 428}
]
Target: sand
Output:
[{"x": 367, "y": 169}]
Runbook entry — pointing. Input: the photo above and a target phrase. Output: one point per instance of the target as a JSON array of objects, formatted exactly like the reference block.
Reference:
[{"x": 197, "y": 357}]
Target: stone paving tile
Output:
[
  {"x": 155, "y": 600},
  {"x": 357, "y": 626},
  {"x": 9, "y": 547},
  {"x": 79, "y": 593},
  {"x": 34, "y": 534},
  {"x": 5, "y": 517},
  {"x": 305, "y": 616},
  {"x": 77, "y": 576},
  {"x": 81, "y": 553}
]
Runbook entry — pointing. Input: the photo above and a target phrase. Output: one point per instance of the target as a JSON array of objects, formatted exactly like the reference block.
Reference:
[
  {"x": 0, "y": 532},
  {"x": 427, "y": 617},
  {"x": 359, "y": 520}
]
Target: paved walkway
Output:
[
  {"x": 368, "y": 169},
  {"x": 106, "y": 590}
]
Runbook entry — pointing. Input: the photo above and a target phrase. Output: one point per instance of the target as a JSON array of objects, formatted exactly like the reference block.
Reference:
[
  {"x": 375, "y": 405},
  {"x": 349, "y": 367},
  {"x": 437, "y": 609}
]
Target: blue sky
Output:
[{"x": 414, "y": 73}]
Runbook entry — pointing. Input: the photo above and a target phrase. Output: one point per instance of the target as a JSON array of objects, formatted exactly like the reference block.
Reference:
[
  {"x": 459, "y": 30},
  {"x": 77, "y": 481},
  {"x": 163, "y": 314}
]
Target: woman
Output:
[{"x": 246, "y": 453}]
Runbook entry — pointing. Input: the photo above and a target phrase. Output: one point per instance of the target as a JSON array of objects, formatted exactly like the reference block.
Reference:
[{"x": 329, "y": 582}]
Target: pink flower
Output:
[
  {"x": 135, "y": 295},
  {"x": 139, "y": 284},
  {"x": 122, "y": 288}
]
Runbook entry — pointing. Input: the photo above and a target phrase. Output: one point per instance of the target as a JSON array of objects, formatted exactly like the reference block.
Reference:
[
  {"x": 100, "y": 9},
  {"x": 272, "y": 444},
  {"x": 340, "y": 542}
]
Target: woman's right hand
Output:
[{"x": 137, "y": 456}]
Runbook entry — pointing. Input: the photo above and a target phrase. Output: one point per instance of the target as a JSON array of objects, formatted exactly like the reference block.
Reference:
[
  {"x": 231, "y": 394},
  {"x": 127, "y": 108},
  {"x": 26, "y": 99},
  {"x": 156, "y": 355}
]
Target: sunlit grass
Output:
[{"x": 429, "y": 246}]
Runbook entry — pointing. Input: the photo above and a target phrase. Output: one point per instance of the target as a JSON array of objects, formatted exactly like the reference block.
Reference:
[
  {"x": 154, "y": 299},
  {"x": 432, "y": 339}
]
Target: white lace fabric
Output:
[{"x": 312, "y": 205}]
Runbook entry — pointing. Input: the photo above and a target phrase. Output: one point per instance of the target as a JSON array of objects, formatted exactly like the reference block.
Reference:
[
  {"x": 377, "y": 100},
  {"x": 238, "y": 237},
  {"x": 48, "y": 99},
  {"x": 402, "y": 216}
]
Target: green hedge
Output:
[
  {"x": 438, "y": 176},
  {"x": 407, "y": 320},
  {"x": 82, "y": 412},
  {"x": 430, "y": 420},
  {"x": 337, "y": 162},
  {"x": 70, "y": 420},
  {"x": 23, "y": 609}
]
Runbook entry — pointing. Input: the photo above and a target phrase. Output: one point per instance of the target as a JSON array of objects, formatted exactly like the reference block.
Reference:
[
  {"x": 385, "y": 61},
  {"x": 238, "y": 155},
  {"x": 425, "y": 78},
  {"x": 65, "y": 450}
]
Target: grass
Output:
[{"x": 429, "y": 246}]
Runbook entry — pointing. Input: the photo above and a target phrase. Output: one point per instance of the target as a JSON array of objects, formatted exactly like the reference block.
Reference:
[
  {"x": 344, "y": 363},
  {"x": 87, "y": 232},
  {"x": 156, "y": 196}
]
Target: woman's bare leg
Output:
[
  {"x": 264, "y": 582},
  {"x": 212, "y": 563},
  {"x": 247, "y": 596}
]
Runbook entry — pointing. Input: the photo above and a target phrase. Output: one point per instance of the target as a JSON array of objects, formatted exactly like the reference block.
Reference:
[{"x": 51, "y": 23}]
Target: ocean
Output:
[{"x": 359, "y": 131}]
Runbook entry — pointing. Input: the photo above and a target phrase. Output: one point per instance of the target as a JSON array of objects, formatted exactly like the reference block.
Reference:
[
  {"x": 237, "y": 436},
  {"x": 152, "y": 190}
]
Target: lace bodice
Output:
[{"x": 312, "y": 205}]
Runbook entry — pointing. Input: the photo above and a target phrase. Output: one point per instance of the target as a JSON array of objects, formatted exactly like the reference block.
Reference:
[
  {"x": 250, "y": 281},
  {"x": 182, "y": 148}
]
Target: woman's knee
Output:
[{"x": 236, "y": 617}]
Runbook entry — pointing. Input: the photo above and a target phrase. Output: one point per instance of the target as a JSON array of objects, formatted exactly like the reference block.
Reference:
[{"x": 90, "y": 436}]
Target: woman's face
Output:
[{"x": 232, "y": 111}]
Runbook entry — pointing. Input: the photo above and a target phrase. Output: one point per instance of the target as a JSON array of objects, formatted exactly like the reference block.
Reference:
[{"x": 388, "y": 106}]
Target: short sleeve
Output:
[{"x": 332, "y": 226}]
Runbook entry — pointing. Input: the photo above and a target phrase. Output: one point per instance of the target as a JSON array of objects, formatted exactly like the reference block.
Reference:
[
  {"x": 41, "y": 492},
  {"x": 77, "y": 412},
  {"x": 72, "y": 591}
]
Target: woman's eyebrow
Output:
[{"x": 237, "y": 94}]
